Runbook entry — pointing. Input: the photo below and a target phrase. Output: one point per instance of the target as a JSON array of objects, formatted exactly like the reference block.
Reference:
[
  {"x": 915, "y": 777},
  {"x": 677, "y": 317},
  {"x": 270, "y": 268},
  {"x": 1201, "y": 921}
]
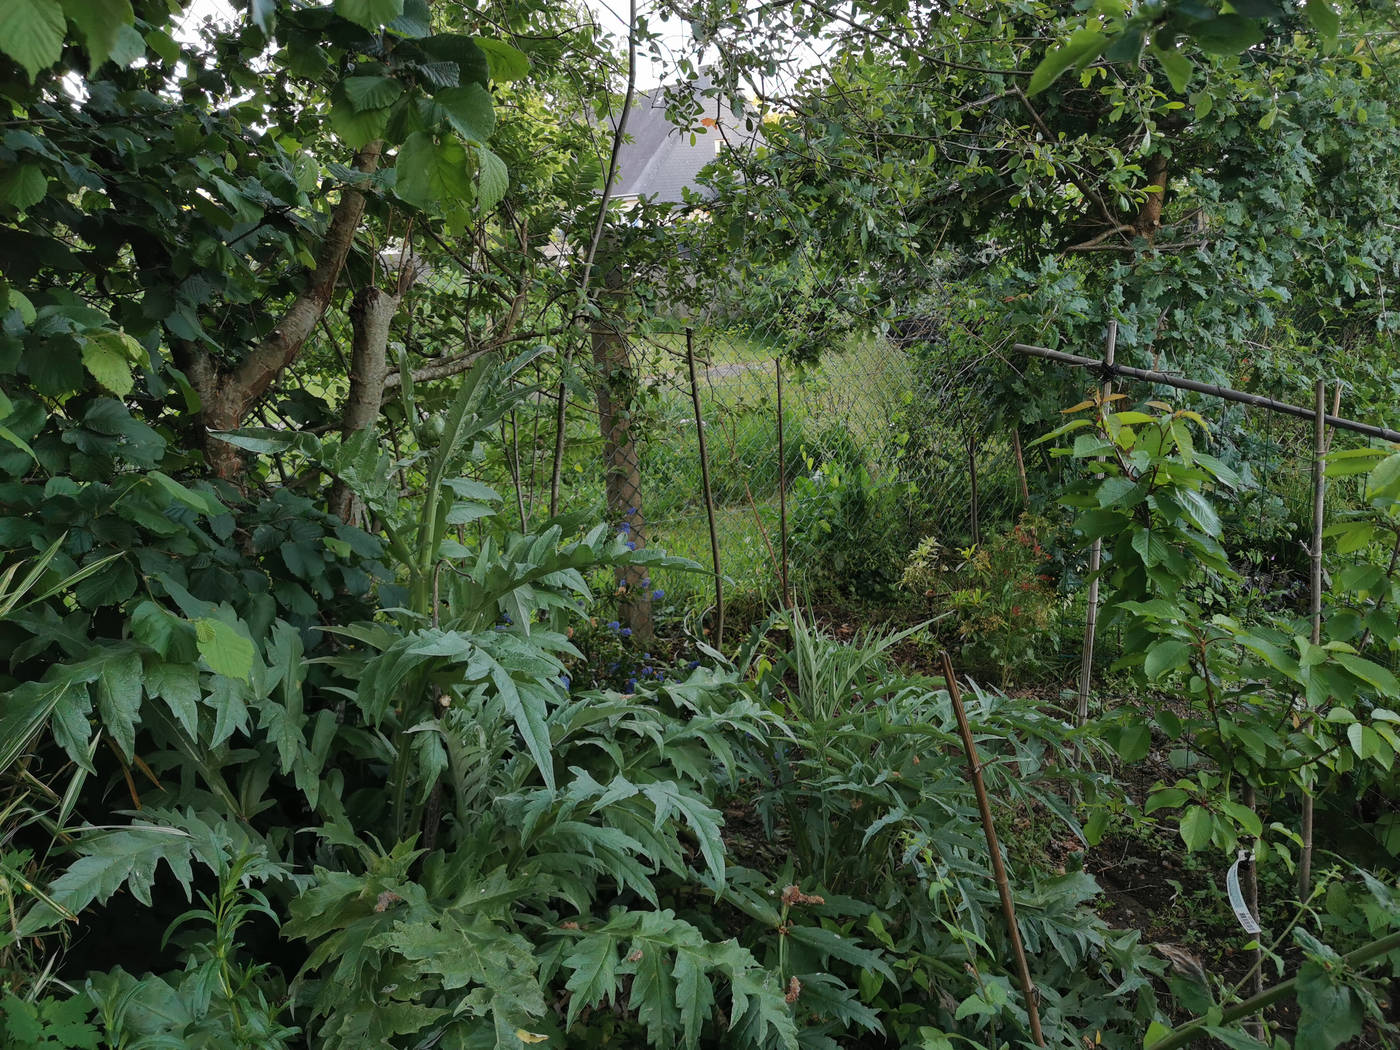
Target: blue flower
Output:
[
  {"x": 627, "y": 632},
  {"x": 631, "y": 546},
  {"x": 565, "y": 681},
  {"x": 646, "y": 671},
  {"x": 625, "y": 527},
  {"x": 692, "y": 665},
  {"x": 657, "y": 594},
  {"x": 613, "y": 625},
  {"x": 646, "y": 581},
  {"x": 631, "y": 685}
]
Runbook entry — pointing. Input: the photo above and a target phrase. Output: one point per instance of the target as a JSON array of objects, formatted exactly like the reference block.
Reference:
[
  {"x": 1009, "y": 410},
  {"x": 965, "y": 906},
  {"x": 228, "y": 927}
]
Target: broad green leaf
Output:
[
  {"x": 1166, "y": 798},
  {"x": 1244, "y": 817},
  {"x": 23, "y": 186},
  {"x": 1384, "y": 481},
  {"x": 1177, "y": 67},
  {"x": 178, "y": 686},
  {"x": 285, "y": 722},
  {"x": 670, "y": 800},
  {"x": 225, "y": 650},
  {"x": 128, "y": 857},
  {"x": 198, "y": 501},
  {"x": 1155, "y": 1031},
  {"x": 593, "y": 963},
  {"x": 1133, "y": 742},
  {"x": 372, "y": 14},
  {"x": 1197, "y": 824},
  {"x": 760, "y": 1012},
  {"x": 10, "y": 437},
  {"x": 108, "y": 363},
  {"x": 653, "y": 993},
  {"x": 830, "y": 944},
  {"x": 695, "y": 996},
  {"x": 119, "y": 698},
  {"x": 416, "y": 22},
  {"x": 31, "y": 32},
  {"x": 1200, "y": 510},
  {"x": 1166, "y": 656},
  {"x": 26, "y": 708},
  {"x": 229, "y": 699},
  {"x": 1371, "y": 673},
  {"x": 1084, "y": 45},
  {"x": 493, "y": 179},
  {"x": 162, "y": 630},
  {"x": 504, "y": 61},
  {"x": 1150, "y": 547},
  {"x": 163, "y": 44},
  {"x": 356, "y": 128},
  {"x": 433, "y": 176},
  {"x": 1330, "y": 1014},
  {"x": 469, "y": 110},
  {"x": 100, "y": 23},
  {"x": 371, "y": 92}
]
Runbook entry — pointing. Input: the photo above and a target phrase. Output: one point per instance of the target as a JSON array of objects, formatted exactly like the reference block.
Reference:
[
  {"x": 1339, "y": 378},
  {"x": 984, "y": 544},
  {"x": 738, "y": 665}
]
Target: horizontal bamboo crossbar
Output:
[{"x": 1146, "y": 375}]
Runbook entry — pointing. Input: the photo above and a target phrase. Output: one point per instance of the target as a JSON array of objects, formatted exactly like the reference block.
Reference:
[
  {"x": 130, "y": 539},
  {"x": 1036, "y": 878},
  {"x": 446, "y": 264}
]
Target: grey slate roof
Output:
[{"x": 660, "y": 160}]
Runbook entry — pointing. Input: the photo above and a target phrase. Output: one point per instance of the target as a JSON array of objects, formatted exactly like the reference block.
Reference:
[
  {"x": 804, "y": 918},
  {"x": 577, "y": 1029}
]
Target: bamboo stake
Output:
[
  {"x": 1319, "y": 480},
  {"x": 705, "y": 483},
  {"x": 782, "y": 486},
  {"x": 973, "y": 507},
  {"x": 1008, "y": 906},
  {"x": 1021, "y": 467},
  {"x": 1222, "y": 392},
  {"x": 1091, "y": 615},
  {"x": 1251, "y": 898}
]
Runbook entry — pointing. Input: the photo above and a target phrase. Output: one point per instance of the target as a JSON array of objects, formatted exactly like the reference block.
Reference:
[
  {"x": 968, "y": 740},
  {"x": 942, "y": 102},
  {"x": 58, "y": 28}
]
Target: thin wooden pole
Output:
[
  {"x": 973, "y": 508},
  {"x": 1008, "y": 906},
  {"x": 1222, "y": 392},
  {"x": 1091, "y": 613},
  {"x": 705, "y": 483},
  {"x": 1319, "y": 480},
  {"x": 782, "y": 486},
  {"x": 1021, "y": 467},
  {"x": 1251, "y": 897}
]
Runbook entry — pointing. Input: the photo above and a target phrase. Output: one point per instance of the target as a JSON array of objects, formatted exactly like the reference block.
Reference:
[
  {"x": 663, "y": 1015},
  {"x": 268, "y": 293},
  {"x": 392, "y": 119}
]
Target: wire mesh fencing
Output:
[{"x": 827, "y": 470}]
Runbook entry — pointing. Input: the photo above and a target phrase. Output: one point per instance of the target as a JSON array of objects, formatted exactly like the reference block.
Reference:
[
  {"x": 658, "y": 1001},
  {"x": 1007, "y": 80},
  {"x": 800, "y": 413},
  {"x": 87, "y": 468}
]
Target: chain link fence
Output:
[{"x": 829, "y": 472}]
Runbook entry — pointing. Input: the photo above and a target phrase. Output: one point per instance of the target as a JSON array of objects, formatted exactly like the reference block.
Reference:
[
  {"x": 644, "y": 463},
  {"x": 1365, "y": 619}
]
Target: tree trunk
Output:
[
  {"x": 370, "y": 314},
  {"x": 228, "y": 396},
  {"x": 616, "y": 392},
  {"x": 1149, "y": 219}
]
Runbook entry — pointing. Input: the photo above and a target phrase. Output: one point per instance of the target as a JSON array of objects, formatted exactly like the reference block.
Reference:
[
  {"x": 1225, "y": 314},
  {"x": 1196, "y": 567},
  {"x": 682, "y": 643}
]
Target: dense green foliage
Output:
[{"x": 316, "y": 728}]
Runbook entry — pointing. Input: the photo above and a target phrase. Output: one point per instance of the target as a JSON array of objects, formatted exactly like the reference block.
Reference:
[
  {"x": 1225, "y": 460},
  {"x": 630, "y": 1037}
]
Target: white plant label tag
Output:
[{"x": 1232, "y": 888}]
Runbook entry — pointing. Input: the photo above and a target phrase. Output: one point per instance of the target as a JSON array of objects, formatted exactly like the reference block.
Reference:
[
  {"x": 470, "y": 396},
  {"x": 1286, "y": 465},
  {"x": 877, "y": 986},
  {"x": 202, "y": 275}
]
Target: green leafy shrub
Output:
[
  {"x": 47, "y": 1024},
  {"x": 848, "y": 530},
  {"x": 996, "y": 600},
  {"x": 889, "y": 891}
]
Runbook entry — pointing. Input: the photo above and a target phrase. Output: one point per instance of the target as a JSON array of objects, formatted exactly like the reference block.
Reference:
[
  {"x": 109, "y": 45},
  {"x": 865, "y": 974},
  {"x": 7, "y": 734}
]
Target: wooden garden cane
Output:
[
  {"x": 1008, "y": 906},
  {"x": 705, "y": 487},
  {"x": 1091, "y": 616}
]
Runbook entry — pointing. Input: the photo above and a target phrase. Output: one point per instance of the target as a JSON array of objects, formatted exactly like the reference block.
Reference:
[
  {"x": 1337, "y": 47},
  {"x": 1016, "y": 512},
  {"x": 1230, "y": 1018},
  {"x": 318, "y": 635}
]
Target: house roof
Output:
[{"x": 660, "y": 159}]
